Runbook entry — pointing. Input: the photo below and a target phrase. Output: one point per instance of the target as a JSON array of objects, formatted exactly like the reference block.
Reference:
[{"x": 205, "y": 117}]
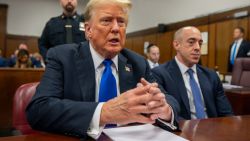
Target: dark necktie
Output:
[
  {"x": 108, "y": 89},
  {"x": 68, "y": 27},
  {"x": 199, "y": 107}
]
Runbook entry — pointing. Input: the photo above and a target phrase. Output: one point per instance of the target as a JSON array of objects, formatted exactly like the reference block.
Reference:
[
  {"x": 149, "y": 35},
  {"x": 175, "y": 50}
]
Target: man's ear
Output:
[
  {"x": 176, "y": 45},
  {"x": 87, "y": 28}
]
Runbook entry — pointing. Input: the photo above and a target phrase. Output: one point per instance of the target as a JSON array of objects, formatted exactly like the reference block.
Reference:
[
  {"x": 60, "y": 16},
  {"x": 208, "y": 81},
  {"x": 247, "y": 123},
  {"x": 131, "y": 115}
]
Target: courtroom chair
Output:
[
  {"x": 22, "y": 98},
  {"x": 241, "y": 72}
]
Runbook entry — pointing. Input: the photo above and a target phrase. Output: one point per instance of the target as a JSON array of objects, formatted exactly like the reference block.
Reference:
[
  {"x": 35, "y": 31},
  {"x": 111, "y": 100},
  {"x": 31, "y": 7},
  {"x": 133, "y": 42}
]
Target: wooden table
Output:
[
  {"x": 235, "y": 128},
  {"x": 240, "y": 100}
]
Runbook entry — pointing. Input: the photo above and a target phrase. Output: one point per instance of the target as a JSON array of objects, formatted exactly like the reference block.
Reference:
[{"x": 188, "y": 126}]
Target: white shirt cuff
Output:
[
  {"x": 95, "y": 129},
  {"x": 171, "y": 124}
]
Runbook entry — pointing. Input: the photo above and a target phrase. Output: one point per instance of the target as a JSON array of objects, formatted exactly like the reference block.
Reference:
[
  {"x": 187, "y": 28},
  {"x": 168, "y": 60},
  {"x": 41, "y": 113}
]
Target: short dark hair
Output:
[
  {"x": 242, "y": 30},
  {"x": 22, "y": 52},
  {"x": 150, "y": 45}
]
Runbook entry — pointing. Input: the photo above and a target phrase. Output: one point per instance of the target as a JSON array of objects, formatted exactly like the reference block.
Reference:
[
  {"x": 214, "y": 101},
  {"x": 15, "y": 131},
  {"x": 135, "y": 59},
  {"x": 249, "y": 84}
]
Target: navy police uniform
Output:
[{"x": 55, "y": 32}]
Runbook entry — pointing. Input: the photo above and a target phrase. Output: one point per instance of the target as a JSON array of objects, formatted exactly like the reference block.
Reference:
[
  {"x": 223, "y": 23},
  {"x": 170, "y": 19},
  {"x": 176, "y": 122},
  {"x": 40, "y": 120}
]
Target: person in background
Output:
[
  {"x": 197, "y": 89},
  {"x": 239, "y": 48},
  {"x": 64, "y": 29},
  {"x": 3, "y": 61},
  {"x": 23, "y": 46},
  {"x": 12, "y": 60},
  {"x": 23, "y": 59},
  {"x": 153, "y": 55},
  {"x": 99, "y": 83},
  {"x": 37, "y": 60}
]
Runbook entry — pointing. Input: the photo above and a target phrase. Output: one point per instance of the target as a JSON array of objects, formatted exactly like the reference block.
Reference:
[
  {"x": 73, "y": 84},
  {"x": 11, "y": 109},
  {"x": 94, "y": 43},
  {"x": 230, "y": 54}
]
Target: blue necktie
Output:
[
  {"x": 199, "y": 107},
  {"x": 108, "y": 88},
  {"x": 233, "y": 54}
]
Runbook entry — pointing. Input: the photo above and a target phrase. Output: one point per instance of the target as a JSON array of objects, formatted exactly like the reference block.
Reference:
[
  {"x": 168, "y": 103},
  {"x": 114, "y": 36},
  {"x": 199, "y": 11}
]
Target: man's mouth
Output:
[
  {"x": 114, "y": 41},
  {"x": 196, "y": 55}
]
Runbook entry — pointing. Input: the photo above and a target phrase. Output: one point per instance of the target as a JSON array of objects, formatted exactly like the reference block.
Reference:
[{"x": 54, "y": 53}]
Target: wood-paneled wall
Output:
[
  {"x": 9, "y": 43},
  {"x": 12, "y": 42},
  {"x": 10, "y": 80},
  {"x": 220, "y": 35},
  {"x": 3, "y": 23}
]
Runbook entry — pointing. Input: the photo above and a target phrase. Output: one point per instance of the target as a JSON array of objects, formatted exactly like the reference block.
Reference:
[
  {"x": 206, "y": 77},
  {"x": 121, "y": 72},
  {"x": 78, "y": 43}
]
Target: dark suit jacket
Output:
[
  {"x": 243, "y": 52},
  {"x": 65, "y": 99},
  {"x": 169, "y": 76}
]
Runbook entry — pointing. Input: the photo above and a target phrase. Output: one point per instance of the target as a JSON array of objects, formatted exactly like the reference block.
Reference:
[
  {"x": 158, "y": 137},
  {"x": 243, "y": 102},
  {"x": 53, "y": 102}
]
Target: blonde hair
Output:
[{"x": 125, "y": 4}]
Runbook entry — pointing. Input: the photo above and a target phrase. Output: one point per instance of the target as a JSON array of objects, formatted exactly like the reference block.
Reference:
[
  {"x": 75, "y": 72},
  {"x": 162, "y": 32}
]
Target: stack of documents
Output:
[{"x": 146, "y": 132}]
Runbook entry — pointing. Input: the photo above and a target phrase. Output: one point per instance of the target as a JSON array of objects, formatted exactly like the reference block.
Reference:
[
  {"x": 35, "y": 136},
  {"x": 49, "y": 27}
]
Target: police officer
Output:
[{"x": 64, "y": 29}]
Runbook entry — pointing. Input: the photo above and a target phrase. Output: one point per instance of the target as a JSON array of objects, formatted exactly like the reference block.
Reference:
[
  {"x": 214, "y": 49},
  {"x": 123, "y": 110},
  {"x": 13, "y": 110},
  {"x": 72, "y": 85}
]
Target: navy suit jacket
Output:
[
  {"x": 65, "y": 99},
  {"x": 169, "y": 76},
  {"x": 243, "y": 51}
]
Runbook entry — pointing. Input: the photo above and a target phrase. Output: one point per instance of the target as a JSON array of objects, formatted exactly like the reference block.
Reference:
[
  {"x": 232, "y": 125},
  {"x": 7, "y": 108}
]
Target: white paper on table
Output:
[
  {"x": 146, "y": 132},
  {"x": 229, "y": 86}
]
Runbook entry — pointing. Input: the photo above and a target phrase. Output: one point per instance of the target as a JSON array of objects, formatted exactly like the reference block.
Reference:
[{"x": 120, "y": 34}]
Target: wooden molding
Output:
[
  {"x": 212, "y": 18},
  {"x": 4, "y": 6},
  {"x": 22, "y": 37}
]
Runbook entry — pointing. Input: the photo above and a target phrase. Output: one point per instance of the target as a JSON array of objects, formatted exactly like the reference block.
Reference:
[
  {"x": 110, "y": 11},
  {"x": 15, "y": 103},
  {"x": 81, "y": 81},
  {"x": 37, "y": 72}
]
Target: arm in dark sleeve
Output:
[
  {"x": 222, "y": 104},
  {"x": 43, "y": 42},
  {"x": 170, "y": 99},
  {"x": 50, "y": 111}
]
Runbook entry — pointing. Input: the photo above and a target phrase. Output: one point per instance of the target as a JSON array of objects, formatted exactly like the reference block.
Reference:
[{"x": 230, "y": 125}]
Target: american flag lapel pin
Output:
[{"x": 127, "y": 69}]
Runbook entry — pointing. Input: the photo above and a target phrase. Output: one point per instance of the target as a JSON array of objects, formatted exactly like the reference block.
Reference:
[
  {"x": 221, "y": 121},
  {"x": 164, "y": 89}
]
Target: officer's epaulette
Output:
[{"x": 81, "y": 17}]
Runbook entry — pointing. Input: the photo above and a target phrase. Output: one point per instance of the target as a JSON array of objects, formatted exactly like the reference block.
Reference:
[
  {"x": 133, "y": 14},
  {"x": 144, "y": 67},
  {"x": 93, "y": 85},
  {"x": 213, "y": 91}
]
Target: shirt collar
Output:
[
  {"x": 183, "y": 67},
  {"x": 239, "y": 40},
  {"x": 152, "y": 63},
  {"x": 98, "y": 59}
]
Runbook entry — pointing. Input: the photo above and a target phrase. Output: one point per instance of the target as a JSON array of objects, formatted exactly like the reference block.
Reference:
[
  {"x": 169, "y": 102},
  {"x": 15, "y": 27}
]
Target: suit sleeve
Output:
[
  {"x": 43, "y": 42},
  {"x": 222, "y": 104},
  {"x": 248, "y": 49},
  {"x": 50, "y": 111},
  {"x": 170, "y": 99}
]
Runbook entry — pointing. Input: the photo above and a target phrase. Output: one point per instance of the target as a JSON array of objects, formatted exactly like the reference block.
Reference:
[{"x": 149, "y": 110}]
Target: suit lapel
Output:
[
  {"x": 180, "y": 86},
  {"x": 85, "y": 71},
  {"x": 205, "y": 89},
  {"x": 125, "y": 74},
  {"x": 240, "y": 52}
]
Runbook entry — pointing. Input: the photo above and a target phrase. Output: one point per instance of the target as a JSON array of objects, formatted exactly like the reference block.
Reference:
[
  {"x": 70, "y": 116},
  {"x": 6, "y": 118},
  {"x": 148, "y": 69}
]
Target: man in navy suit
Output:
[
  {"x": 69, "y": 99},
  {"x": 239, "y": 48},
  {"x": 197, "y": 89}
]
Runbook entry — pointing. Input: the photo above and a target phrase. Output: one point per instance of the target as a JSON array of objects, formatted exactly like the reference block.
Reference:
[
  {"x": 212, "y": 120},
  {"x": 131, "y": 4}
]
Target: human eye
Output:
[
  {"x": 200, "y": 43},
  {"x": 106, "y": 21},
  {"x": 121, "y": 22},
  {"x": 191, "y": 42}
]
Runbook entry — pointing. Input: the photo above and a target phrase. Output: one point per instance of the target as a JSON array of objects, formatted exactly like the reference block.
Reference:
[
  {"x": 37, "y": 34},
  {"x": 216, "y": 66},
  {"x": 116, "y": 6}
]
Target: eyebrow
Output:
[{"x": 195, "y": 39}]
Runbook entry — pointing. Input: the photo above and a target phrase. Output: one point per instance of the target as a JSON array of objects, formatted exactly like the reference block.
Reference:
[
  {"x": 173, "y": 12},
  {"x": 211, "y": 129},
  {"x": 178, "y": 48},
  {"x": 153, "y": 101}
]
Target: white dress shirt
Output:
[
  {"x": 183, "y": 68},
  {"x": 94, "y": 129},
  {"x": 237, "y": 48},
  {"x": 152, "y": 64}
]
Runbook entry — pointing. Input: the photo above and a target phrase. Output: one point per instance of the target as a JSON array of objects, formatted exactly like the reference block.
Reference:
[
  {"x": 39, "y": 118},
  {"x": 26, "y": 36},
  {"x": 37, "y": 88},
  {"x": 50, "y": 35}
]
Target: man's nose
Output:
[
  {"x": 115, "y": 26},
  {"x": 197, "y": 46}
]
